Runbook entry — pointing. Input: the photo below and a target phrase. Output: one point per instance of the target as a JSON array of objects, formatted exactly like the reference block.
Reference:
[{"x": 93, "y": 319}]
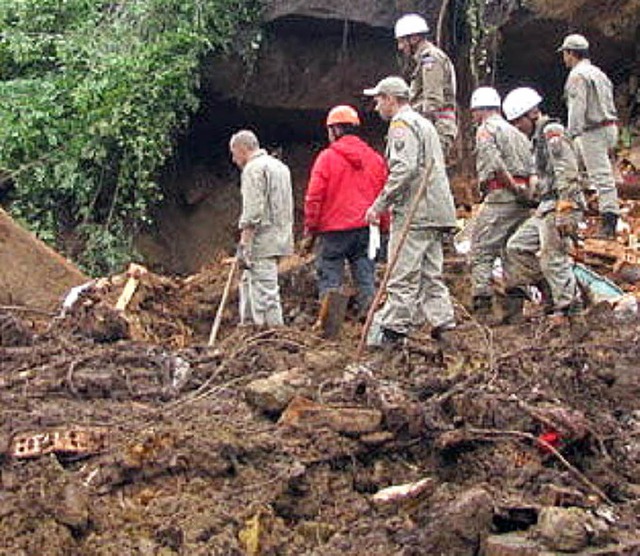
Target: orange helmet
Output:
[{"x": 343, "y": 114}]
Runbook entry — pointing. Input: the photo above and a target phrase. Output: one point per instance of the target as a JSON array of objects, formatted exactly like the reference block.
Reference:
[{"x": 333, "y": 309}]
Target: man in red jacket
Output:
[{"x": 346, "y": 178}]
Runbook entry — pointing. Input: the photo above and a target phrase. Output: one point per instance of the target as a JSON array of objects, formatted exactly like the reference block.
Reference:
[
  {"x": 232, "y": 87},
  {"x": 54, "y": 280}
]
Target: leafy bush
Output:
[{"x": 92, "y": 94}]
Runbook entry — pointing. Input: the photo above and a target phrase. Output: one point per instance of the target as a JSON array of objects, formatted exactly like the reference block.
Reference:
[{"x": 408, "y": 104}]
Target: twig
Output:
[
  {"x": 527, "y": 436},
  {"x": 23, "y": 309}
]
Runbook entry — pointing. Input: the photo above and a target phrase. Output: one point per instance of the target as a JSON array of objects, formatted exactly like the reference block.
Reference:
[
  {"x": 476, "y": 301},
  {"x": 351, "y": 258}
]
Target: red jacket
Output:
[{"x": 346, "y": 178}]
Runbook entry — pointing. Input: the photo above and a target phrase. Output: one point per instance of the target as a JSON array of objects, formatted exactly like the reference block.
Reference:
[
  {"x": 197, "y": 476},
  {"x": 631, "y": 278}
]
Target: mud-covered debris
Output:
[
  {"x": 563, "y": 529},
  {"x": 13, "y": 332},
  {"x": 511, "y": 544},
  {"x": 399, "y": 493},
  {"x": 302, "y": 412},
  {"x": 273, "y": 394},
  {"x": 73, "y": 508},
  {"x": 79, "y": 441},
  {"x": 555, "y": 495}
]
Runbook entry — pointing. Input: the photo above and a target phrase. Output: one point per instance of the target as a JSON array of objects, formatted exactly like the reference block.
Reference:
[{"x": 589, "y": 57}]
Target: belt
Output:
[
  {"x": 606, "y": 123},
  {"x": 496, "y": 185},
  {"x": 445, "y": 114}
]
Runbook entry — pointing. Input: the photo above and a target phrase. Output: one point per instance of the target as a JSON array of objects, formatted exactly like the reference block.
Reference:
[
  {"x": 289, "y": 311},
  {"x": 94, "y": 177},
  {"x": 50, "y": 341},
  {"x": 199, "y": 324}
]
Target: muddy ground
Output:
[{"x": 193, "y": 464}]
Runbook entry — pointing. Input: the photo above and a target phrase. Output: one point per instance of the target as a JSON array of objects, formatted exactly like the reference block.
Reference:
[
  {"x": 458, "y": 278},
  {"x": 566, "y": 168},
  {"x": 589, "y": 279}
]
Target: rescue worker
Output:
[
  {"x": 266, "y": 228},
  {"x": 433, "y": 78},
  {"x": 504, "y": 166},
  {"x": 416, "y": 290},
  {"x": 593, "y": 124},
  {"x": 537, "y": 251},
  {"x": 346, "y": 178}
]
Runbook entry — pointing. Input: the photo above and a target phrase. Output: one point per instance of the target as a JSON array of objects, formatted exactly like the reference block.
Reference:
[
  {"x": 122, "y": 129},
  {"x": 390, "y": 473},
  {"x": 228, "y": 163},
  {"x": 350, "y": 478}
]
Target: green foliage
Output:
[{"x": 92, "y": 94}]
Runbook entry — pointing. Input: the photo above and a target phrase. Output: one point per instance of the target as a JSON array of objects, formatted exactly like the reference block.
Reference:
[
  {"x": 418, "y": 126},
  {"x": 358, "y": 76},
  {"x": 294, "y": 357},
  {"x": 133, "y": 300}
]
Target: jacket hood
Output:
[{"x": 350, "y": 147}]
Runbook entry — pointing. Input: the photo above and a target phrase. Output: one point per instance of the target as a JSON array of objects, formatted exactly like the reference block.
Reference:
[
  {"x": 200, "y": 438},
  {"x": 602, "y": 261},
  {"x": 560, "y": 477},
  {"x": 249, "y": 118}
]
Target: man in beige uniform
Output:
[
  {"x": 504, "y": 166},
  {"x": 537, "y": 252},
  {"x": 433, "y": 78},
  {"x": 593, "y": 124},
  {"x": 266, "y": 228},
  {"x": 416, "y": 290}
]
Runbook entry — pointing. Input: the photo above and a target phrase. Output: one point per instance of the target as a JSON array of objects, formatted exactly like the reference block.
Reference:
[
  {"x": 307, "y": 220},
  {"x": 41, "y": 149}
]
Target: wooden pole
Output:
[{"x": 223, "y": 301}]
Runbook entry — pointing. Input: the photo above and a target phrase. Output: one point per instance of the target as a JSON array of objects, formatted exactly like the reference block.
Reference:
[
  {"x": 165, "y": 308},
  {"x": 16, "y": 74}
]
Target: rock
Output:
[
  {"x": 563, "y": 529},
  {"x": 511, "y": 544},
  {"x": 303, "y": 412},
  {"x": 553, "y": 495},
  {"x": 274, "y": 393},
  {"x": 372, "y": 12},
  {"x": 73, "y": 509},
  {"x": 324, "y": 361},
  {"x": 460, "y": 526},
  {"x": 400, "y": 493},
  {"x": 627, "y": 548}
]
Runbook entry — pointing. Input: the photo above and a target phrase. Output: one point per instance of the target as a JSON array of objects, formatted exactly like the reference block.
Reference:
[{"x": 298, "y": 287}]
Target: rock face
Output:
[
  {"x": 376, "y": 13},
  {"x": 315, "y": 53}
]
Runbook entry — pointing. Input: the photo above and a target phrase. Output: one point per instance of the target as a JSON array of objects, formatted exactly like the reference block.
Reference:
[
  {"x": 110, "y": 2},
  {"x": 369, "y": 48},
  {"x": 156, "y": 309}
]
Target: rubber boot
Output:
[
  {"x": 513, "y": 306},
  {"x": 608, "y": 225}
]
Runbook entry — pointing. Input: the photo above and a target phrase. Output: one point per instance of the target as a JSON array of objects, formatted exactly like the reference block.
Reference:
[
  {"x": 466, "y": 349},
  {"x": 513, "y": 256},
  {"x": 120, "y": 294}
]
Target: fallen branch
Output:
[{"x": 538, "y": 441}]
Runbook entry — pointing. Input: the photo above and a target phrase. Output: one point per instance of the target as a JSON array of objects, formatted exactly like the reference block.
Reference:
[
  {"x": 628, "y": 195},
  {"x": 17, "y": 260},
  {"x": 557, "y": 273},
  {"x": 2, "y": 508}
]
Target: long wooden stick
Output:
[
  {"x": 223, "y": 301},
  {"x": 394, "y": 259}
]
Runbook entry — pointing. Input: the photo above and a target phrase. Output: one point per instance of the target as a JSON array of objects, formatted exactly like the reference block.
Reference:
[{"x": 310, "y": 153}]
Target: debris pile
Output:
[{"x": 123, "y": 433}]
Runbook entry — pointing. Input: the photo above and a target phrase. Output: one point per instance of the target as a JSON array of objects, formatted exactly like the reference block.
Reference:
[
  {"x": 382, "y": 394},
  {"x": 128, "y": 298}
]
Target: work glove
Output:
[
  {"x": 243, "y": 256},
  {"x": 565, "y": 219},
  {"x": 306, "y": 245}
]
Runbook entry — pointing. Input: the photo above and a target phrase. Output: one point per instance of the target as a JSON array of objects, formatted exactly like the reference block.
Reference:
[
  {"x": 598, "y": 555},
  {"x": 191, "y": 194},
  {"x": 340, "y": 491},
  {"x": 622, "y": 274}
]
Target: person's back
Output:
[
  {"x": 267, "y": 192},
  {"x": 345, "y": 180},
  {"x": 596, "y": 105},
  {"x": 500, "y": 146},
  {"x": 422, "y": 151}
]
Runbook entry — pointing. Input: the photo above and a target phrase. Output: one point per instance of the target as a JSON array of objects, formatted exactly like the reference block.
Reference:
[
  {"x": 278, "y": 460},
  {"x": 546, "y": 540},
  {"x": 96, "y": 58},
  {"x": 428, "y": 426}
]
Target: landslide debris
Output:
[{"x": 277, "y": 441}]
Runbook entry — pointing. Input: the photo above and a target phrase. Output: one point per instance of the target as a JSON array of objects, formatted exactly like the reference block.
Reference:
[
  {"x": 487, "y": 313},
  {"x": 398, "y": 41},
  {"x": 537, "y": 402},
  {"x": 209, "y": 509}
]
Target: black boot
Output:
[
  {"x": 513, "y": 306},
  {"x": 392, "y": 338},
  {"x": 482, "y": 305},
  {"x": 547, "y": 296},
  {"x": 608, "y": 225}
]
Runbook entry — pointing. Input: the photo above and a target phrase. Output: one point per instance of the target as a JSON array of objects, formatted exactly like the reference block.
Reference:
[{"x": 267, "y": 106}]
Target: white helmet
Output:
[
  {"x": 485, "y": 97},
  {"x": 411, "y": 24},
  {"x": 519, "y": 101}
]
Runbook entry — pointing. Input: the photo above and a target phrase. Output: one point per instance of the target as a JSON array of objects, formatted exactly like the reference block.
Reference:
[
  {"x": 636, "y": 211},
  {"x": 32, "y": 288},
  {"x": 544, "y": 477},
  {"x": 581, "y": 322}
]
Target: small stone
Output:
[
  {"x": 303, "y": 412},
  {"x": 512, "y": 544}
]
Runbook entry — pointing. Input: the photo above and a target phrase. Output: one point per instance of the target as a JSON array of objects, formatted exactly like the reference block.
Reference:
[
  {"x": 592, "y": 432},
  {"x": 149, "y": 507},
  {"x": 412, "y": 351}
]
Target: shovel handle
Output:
[{"x": 223, "y": 301}]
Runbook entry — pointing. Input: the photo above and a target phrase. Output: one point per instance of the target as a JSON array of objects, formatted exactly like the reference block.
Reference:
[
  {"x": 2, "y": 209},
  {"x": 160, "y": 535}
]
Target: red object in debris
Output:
[{"x": 550, "y": 437}]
